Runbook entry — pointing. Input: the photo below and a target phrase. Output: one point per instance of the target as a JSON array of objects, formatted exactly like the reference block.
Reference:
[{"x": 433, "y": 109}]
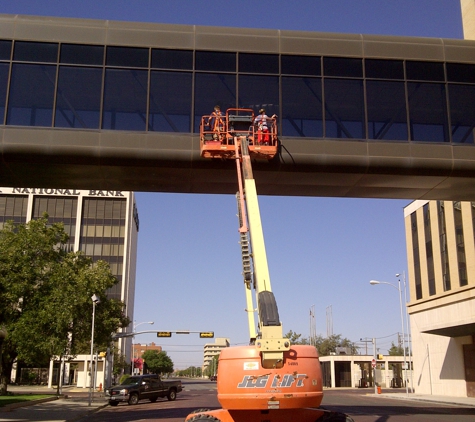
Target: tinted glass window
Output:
[
  {"x": 338, "y": 66},
  {"x": 4, "y": 67},
  {"x": 223, "y": 89},
  {"x": 427, "y": 112},
  {"x": 125, "y": 99},
  {"x": 425, "y": 71},
  {"x": 127, "y": 56},
  {"x": 258, "y": 63},
  {"x": 170, "y": 101},
  {"x": 172, "y": 59},
  {"x": 35, "y": 52},
  {"x": 384, "y": 69},
  {"x": 458, "y": 72},
  {"x": 344, "y": 109},
  {"x": 300, "y": 65},
  {"x": 259, "y": 92},
  {"x": 76, "y": 106},
  {"x": 5, "y": 49},
  {"x": 212, "y": 60},
  {"x": 302, "y": 107},
  {"x": 82, "y": 54},
  {"x": 462, "y": 113},
  {"x": 386, "y": 105},
  {"x": 31, "y": 95}
]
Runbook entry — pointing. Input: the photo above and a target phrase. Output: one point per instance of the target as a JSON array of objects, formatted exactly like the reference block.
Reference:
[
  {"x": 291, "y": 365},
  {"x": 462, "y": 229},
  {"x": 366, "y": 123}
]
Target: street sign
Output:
[{"x": 373, "y": 363}]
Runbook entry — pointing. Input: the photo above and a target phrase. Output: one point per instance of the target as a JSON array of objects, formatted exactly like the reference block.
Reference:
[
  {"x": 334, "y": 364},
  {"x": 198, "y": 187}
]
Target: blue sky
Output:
[{"x": 322, "y": 252}]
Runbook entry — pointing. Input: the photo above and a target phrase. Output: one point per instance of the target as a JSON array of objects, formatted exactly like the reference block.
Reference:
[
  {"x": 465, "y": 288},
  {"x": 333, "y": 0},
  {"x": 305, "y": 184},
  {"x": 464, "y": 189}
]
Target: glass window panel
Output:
[
  {"x": 4, "y": 68},
  {"x": 223, "y": 88},
  {"x": 99, "y": 231},
  {"x": 90, "y": 231},
  {"x": 425, "y": 71},
  {"x": 107, "y": 231},
  {"x": 344, "y": 109},
  {"x": 88, "y": 249},
  {"x": 125, "y": 99},
  {"x": 386, "y": 105},
  {"x": 76, "y": 106},
  {"x": 5, "y": 49},
  {"x": 35, "y": 52},
  {"x": 384, "y": 69},
  {"x": 339, "y": 66},
  {"x": 302, "y": 107},
  {"x": 31, "y": 95},
  {"x": 97, "y": 249},
  {"x": 217, "y": 61},
  {"x": 462, "y": 113},
  {"x": 300, "y": 65},
  {"x": 459, "y": 72},
  {"x": 427, "y": 112},
  {"x": 172, "y": 59},
  {"x": 258, "y": 63},
  {"x": 170, "y": 101},
  {"x": 82, "y": 54},
  {"x": 127, "y": 56},
  {"x": 259, "y": 92}
]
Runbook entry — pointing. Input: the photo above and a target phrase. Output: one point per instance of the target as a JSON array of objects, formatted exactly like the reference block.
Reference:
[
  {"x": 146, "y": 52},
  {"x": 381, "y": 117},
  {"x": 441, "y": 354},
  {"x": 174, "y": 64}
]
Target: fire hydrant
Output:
[{"x": 100, "y": 386}]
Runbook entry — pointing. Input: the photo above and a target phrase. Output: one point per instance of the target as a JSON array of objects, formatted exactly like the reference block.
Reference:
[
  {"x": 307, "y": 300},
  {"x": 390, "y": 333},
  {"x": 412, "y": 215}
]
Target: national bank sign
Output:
[{"x": 63, "y": 192}]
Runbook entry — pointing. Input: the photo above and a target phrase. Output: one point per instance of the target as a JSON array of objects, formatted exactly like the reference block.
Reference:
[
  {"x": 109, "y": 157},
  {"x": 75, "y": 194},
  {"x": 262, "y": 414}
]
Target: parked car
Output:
[
  {"x": 213, "y": 378},
  {"x": 142, "y": 387}
]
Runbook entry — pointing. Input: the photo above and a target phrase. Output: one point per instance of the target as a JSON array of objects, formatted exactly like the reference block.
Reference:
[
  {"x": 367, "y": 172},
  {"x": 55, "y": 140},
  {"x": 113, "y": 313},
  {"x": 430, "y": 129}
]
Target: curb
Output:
[
  {"x": 86, "y": 414},
  {"x": 26, "y": 403}
]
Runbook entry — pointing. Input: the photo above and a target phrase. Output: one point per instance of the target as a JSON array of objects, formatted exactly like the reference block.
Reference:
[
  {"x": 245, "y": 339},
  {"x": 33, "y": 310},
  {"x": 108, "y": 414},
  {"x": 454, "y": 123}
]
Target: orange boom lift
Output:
[{"x": 270, "y": 380}]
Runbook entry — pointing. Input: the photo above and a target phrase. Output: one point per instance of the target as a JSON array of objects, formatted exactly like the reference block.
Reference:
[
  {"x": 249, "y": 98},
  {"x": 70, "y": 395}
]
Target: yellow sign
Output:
[
  {"x": 164, "y": 334},
  {"x": 208, "y": 334}
]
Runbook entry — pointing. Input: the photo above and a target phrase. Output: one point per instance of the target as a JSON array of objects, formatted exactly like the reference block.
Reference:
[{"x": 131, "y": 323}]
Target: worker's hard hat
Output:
[{"x": 262, "y": 110}]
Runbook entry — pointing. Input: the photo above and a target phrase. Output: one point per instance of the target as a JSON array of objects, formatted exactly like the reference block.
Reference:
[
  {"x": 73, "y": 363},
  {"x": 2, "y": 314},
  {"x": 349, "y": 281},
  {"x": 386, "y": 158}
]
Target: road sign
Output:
[{"x": 373, "y": 363}]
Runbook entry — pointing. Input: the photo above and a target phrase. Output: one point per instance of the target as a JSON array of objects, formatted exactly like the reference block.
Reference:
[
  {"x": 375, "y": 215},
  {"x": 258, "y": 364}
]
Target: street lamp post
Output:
[
  {"x": 408, "y": 330},
  {"x": 133, "y": 349},
  {"x": 95, "y": 301},
  {"x": 373, "y": 282}
]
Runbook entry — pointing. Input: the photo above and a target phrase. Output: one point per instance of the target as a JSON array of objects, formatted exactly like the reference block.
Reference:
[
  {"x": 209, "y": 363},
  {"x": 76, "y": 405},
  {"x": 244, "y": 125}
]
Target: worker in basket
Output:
[
  {"x": 216, "y": 122},
  {"x": 262, "y": 127}
]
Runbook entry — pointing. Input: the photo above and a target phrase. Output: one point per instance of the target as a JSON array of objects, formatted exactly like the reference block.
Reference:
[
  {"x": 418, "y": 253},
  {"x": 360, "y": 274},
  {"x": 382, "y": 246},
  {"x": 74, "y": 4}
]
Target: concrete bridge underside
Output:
[{"x": 166, "y": 162}]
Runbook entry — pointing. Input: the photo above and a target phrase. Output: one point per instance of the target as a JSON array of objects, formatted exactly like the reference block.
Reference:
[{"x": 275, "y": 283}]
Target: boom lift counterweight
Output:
[{"x": 269, "y": 380}]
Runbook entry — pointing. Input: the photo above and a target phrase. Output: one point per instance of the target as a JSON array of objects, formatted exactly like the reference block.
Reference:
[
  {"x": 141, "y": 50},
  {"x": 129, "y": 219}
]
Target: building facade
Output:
[
  {"x": 440, "y": 238},
  {"x": 102, "y": 224},
  {"x": 213, "y": 349}
]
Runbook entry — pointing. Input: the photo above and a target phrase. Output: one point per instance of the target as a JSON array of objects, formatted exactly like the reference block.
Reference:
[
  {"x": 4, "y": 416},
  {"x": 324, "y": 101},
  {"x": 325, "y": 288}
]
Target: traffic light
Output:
[
  {"x": 102, "y": 354},
  {"x": 164, "y": 334},
  {"x": 380, "y": 357},
  {"x": 207, "y": 334}
]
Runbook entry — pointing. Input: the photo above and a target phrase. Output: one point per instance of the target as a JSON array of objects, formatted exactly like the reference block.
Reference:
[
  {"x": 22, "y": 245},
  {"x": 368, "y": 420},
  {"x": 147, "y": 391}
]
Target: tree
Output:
[
  {"x": 45, "y": 294},
  {"x": 295, "y": 338},
  {"x": 327, "y": 346},
  {"x": 158, "y": 362},
  {"x": 397, "y": 350}
]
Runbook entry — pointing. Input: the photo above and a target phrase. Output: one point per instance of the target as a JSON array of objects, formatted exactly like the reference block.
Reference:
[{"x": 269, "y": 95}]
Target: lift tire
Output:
[
  {"x": 203, "y": 417},
  {"x": 199, "y": 411},
  {"x": 134, "y": 399},
  {"x": 268, "y": 312},
  {"x": 171, "y": 395},
  {"x": 334, "y": 417},
  {"x": 113, "y": 403}
]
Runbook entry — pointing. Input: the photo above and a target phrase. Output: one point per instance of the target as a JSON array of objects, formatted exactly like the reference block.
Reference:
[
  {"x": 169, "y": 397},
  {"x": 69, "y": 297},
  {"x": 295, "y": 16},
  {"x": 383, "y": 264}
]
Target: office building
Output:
[
  {"x": 213, "y": 349},
  {"x": 440, "y": 237},
  {"x": 102, "y": 224}
]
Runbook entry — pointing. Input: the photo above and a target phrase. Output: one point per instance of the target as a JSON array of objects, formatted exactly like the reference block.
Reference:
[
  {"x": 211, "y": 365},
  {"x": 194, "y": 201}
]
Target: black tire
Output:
[
  {"x": 171, "y": 395},
  {"x": 203, "y": 417},
  {"x": 153, "y": 399},
  {"x": 113, "y": 403},
  {"x": 335, "y": 417},
  {"x": 134, "y": 399}
]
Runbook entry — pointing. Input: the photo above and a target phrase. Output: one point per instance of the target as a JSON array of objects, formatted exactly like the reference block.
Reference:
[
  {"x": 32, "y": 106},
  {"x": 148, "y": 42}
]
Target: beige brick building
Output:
[{"x": 440, "y": 238}]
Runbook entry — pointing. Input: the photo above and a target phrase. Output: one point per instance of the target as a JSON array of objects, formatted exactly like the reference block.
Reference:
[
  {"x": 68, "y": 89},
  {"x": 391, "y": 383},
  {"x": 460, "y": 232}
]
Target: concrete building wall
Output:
[{"x": 468, "y": 18}]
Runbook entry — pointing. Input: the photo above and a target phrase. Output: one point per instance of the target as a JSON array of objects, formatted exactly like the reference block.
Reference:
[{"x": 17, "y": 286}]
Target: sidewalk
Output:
[
  {"x": 72, "y": 406},
  {"x": 458, "y": 401}
]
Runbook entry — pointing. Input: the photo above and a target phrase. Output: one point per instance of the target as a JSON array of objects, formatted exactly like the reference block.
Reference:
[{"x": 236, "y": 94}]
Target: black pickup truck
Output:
[{"x": 142, "y": 387}]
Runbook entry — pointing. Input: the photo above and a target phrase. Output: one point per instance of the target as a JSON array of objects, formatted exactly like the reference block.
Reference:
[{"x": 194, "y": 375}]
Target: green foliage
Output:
[
  {"x": 46, "y": 295},
  {"x": 120, "y": 364},
  {"x": 397, "y": 350},
  {"x": 191, "y": 371},
  {"x": 212, "y": 368},
  {"x": 328, "y": 345},
  {"x": 296, "y": 338},
  {"x": 158, "y": 362}
]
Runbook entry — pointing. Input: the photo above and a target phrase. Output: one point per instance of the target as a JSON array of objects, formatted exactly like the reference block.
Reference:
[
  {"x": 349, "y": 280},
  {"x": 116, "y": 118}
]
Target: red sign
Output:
[{"x": 373, "y": 363}]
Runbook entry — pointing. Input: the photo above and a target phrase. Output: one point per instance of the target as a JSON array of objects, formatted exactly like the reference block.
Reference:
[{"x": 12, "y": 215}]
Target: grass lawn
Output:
[{"x": 17, "y": 398}]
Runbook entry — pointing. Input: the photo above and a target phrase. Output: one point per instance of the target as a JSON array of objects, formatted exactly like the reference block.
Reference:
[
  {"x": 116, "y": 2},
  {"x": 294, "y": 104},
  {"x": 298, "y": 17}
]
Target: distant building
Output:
[
  {"x": 440, "y": 239},
  {"x": 213, "y": 349},
  {"x": 102, "y": 224},
  {"x": 139, "y": 349}
]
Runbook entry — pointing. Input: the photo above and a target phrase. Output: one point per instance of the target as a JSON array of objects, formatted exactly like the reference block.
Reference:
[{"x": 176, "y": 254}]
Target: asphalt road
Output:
[{"x": 361, "y": 405}]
